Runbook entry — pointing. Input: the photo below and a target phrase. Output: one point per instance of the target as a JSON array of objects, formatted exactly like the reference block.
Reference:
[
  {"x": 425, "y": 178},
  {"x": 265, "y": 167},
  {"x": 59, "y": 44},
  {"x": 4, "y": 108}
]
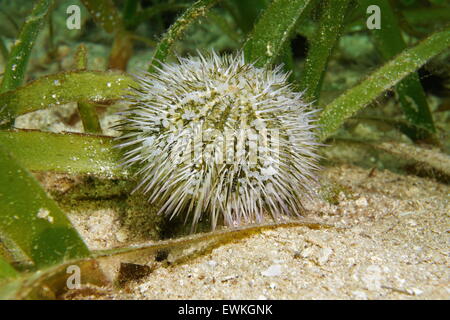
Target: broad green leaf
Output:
[
  {"x": 6, "y": 270},
  {"x": 16, "y": 65},
  {"x": 10, "y": 289},
  {"x": 61, "y": 88},
  {"x": 272, "y": 30},
  {"x": 197, "y": 10},
  {"x": 356, "y": 98},
  {"x": 32, "y": 220},
  {"x": 70, "y": 153},
  {"x": 324, "y": 40},
  {"x": 389, "y": 42}
]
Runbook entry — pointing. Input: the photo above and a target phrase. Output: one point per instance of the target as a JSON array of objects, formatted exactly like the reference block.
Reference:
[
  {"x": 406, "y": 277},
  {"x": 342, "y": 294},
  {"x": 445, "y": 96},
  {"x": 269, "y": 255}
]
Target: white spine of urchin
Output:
[{"x": 215, "y": 136}]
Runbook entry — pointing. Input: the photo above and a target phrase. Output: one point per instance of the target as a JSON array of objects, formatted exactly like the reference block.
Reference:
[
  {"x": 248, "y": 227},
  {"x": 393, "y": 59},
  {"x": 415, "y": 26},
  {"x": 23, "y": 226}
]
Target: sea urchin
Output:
[{"x": 217, "y": 137}]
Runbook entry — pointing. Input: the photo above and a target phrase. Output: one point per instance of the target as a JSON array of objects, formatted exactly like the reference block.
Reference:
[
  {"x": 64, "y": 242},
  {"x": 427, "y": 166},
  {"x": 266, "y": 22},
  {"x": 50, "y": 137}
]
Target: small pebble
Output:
[
  {"x": 361, "y": 202},
  {"x": 412, "y": 223},
  {"x": 307, "y": 252},
  {"x": 360, "y": 295},
  {"x": 121, "y": 236},
  {"x": 324, "y": 255},
  {"x": 273, "y": 271},
  {"x": 415, "y": 291},
  {"x": 372, "y": 278},
  {"x": 212, "y": 263}
]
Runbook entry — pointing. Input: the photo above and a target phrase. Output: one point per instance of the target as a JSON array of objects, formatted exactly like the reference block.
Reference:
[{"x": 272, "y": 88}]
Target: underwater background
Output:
[{"x": 377, "y": 71}]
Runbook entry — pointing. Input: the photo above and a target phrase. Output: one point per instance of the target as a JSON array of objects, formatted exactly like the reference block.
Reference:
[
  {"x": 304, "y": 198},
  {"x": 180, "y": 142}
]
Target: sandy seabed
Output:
[{"x": 389, "y": 241}]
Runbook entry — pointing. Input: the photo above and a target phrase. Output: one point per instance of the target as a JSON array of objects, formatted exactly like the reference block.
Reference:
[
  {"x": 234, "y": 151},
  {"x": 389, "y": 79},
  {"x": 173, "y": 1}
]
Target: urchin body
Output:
[{"x": 213, "y": 136}]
